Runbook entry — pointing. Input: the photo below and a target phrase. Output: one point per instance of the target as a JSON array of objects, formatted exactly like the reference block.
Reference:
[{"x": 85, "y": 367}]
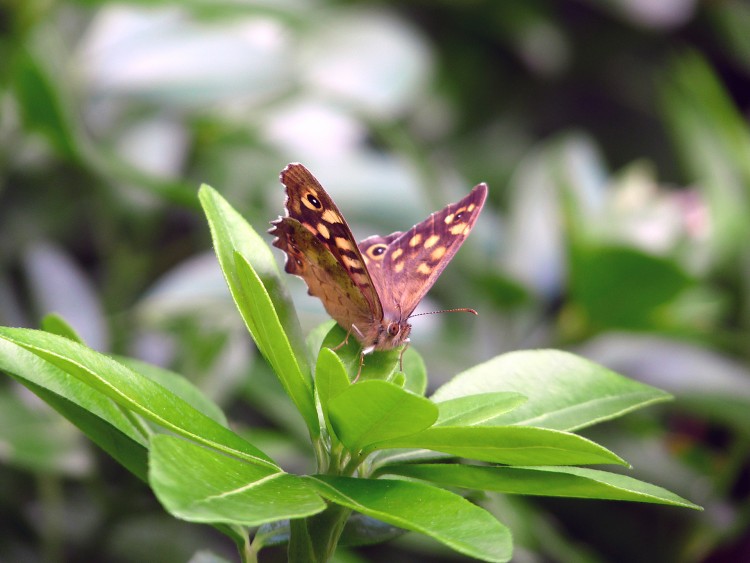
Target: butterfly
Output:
[{"x": 371, "y": 288}]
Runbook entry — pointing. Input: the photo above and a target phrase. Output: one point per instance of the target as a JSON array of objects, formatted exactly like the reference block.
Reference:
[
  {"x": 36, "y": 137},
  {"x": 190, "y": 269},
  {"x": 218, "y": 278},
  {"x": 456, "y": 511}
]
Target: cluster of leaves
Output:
[{"x": 383, "y": 450}]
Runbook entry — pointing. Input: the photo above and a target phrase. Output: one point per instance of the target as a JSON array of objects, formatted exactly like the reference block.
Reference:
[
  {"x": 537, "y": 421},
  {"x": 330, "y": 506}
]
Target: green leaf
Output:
[
  {"x": 178, "y": 385},
  {"x": 599, "y": 272},
  {"x": 415, "y": 371},
  {"x": 712, "y": 137},
  {"x": 364, "y": 530},
  {"x": 574, "y": 482},
  {"x": 477, "y": 409},
  {"x": 565, "y": 392},
  {"x": 256, "y": 287},
  {"x": 41, "y": 106},
  {"x": 373, "y": 411},
  {"x": 316, "y": 337},
  {"x": 94, "y": 414},
  {"x": 442, "y": 515},
  {"x": 55, "y": 324},
  {"x": 330, "y": 380},
  {"x": 380, "y": 365},
  {"x": 201, "y": 485},
  {"x": 512, "y": 445},
  {"x": 133, "y": 391}
]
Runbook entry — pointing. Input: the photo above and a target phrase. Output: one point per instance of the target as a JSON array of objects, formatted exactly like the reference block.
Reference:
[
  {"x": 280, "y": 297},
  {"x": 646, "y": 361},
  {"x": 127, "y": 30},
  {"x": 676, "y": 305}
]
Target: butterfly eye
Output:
[
  {"x": 377, "y": 250},
  {"x": 393, "y": 329},
  {"x": 314, "y": 201}
]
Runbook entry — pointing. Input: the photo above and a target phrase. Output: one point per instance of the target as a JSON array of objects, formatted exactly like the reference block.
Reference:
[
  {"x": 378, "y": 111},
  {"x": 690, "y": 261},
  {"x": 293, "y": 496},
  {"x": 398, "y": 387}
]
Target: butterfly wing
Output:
[
  {"x": 321, "y": 250},
  {"x": 411, "y": 262}
]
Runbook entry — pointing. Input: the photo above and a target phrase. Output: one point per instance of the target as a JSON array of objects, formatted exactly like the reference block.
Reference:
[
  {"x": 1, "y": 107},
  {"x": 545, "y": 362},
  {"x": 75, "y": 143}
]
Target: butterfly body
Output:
[{"x": 371, "y": 288}]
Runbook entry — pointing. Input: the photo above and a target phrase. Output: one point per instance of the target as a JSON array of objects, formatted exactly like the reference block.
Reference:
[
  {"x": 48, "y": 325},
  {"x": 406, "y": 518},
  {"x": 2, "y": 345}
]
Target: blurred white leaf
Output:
[
  {"x": 157, "y": 146},
  {"x": 369, "y": 59},
  {"x": 166, "y": 55},
  {"x": 314, "y": 129},
  {"x": 58, "y": 285},
  {"x": 653, "y": 14},
  {"x": 194, "y": 287}
]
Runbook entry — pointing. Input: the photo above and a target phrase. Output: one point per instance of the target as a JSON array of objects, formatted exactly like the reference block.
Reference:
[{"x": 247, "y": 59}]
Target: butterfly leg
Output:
[
  {"x": 343, "y": 342},
  {"x": 361, "y": 363},
  {"x": 365, "y": 351}
]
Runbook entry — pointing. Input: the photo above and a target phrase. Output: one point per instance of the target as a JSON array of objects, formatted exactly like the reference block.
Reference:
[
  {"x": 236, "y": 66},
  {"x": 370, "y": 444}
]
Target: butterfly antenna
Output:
[{"x": 461, "y": 310}]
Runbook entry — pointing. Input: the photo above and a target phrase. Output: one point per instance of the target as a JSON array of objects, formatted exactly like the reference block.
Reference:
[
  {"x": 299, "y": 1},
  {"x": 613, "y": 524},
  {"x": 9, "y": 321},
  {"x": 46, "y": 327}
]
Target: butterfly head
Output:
[{"x": 391, "y": 333}]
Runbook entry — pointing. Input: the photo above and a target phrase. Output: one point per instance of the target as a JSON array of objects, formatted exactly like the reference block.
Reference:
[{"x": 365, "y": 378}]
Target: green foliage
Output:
[{"x": 516, "y": 410}]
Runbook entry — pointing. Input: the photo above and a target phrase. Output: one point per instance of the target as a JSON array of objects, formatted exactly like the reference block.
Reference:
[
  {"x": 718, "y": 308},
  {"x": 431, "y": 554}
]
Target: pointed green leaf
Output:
[
  {"x": 256, "y": 287},
  {"x": 575, "y": 482},
  {"x": 477, "y": 409},
  {"x": 202, "y": 485},
  {"x": 272, "y": 341},
  {"x": 512, "y": 445},
  {"x": 133, "y": 391},
  {"x": 373, "y": 411},
  {"x": 442, "y": 515},
  {"x": 565, "y": 392}
]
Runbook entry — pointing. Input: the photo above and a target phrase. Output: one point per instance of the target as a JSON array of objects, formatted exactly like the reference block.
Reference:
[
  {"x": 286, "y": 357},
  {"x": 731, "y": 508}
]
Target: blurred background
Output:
[{"x": 614, "y": 138}]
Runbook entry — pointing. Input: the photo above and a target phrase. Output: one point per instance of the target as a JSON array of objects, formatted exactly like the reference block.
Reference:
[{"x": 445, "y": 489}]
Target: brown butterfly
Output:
[{"x": 371, "y": 289}]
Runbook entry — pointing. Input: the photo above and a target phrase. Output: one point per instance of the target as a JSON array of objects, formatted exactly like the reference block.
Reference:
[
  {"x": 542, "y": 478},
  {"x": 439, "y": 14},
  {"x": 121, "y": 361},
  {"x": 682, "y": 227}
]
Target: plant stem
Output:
[
  {"x": 325, "y": 529},
  {"x": 314, "y": 539}
]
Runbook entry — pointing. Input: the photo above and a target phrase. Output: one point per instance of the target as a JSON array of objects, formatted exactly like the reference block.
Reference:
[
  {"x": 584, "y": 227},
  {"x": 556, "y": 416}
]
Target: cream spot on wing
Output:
[
  {"x": 415, "y": 240},
  {"x": 398, "y": 268},
  {"x": 331, "y": 216},
  {"x": 344, "y": 244},
  {"x": 323, "y": 230},
  {"x": 424, "y": 269},
  {"x": 438, "y": 253},
  {"x": 471, "y": 207},
  {"x": 449, "y": 219},
  {"x": 430, "y": 242},
  {"x": 351, "y": 262},
  {"x": 397, "y": 254},
  {"x": 459, "y": 228}
]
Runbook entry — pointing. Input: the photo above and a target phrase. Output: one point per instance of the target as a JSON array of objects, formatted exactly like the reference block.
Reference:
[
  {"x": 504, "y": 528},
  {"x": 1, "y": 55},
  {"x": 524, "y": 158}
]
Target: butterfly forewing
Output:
[
  {"x": 325, "y": 277},
  {"x": 309, "y": 204},
  {"x": 412, "y": 261}
]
